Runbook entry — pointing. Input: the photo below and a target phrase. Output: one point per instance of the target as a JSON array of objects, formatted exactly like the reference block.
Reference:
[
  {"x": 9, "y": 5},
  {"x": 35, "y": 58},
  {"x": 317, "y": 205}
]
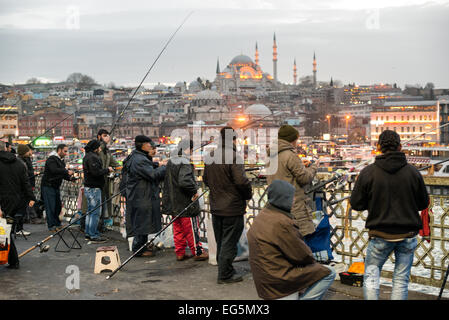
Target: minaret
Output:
[
  {"x": 275, "y": 59},
  {"x": 294, "y": 72},
  {"x": 218, "y": 66},
  {"x": 257, "y": 56},
  {"x": 314, "y": 70}
]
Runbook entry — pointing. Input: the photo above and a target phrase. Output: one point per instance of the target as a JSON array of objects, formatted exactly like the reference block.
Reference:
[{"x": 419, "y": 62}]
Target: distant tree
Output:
[
  {"x": 432, "y": 94},
  {"x": 82, "y": 81},
  {"x": 33, "y": 81},
  {"x": 429, "y": 85},
  {"x": 201, "y": 82}
]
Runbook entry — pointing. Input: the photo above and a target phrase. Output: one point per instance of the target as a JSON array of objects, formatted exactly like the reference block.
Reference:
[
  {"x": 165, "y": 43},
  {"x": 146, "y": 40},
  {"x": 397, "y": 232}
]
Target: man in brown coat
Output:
[
  {"x": 282, "y": 264},
  {"x": 292, "y": 170}
]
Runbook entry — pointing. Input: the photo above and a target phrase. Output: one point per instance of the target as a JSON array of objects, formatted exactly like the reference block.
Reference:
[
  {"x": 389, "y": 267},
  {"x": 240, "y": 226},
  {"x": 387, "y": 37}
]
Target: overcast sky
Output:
[{"x": 366, "y": 42}]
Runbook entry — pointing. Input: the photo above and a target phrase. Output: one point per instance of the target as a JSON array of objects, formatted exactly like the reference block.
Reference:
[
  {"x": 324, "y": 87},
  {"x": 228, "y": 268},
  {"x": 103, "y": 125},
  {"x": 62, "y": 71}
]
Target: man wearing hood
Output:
[
  {"x": 282, "y": 264},
  {"x": 141, "y": 190},
  {"x": 224, "y": 174},
  {"x": 54, "y": 173},
  {"x": 393, "y": 192},
  {"x": 108, "y": 160},
  {"x": 180, "y": 189},
  {"x": 292, "y": 170},
  {"x": 15, "y": 195},
  {"x": 93, "y": 183}
]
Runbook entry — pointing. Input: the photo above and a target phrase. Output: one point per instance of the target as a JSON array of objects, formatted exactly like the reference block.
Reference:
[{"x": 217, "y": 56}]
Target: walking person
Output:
[
  {"x": 282, "y": 265},
  {"x": 393, "y": 192},
  {"x": 143, "y": 203},
  {"x": 54, "y": 172},
  {"x": 180, "y": 189},
  {"x": 229, "y": 190},
  {"x": 15, "y": 195},
  {"x": 93, "y": 183},
  {"x": 108, "y": 160},
  {"x": 292, "y": 170}
]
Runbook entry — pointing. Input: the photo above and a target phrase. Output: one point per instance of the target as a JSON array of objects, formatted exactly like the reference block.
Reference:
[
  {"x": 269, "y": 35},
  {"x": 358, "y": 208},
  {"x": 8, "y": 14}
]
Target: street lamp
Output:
[
  {"x": 348, "y": 117},
  {"x": 328, "y": 117}
]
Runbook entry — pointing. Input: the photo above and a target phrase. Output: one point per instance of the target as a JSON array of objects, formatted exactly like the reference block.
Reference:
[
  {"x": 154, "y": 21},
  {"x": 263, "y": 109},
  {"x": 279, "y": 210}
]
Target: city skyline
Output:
[{"x": 365, "y": 43}]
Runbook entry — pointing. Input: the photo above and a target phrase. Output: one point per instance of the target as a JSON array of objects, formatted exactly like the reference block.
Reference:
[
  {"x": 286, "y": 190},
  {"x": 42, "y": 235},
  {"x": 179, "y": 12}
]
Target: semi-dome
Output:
[
  {"x": 242, "y": 59},
  {"x": 207, "y": 95},
  {"x": 258, "y": 110}
]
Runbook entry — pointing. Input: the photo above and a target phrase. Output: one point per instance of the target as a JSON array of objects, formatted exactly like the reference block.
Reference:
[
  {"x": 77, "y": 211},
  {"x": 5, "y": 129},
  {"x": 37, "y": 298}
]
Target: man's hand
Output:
[
  {"x": 31, "y": 203},
  {"x": 70, "y": 172},
  {"x": 306, "y": 162},
  {"x": 195, "y": 197},
  {"x": 110, "y": 169},
  {"x": 163, "y": 162}
]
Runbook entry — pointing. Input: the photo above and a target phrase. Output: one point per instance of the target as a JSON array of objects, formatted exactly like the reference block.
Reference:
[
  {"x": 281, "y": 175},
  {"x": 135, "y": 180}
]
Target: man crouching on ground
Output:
[{"x": 282, "y": 264}]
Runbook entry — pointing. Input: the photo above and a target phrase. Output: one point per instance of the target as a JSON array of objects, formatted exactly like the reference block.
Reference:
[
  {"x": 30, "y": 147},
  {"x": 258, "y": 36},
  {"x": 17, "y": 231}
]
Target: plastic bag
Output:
[{"x": 5, "y": 233}]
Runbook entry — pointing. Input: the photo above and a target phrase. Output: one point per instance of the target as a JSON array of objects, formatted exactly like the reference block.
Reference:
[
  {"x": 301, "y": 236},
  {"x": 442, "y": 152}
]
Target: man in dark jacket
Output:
[
  {"x": 93, "y": 183},
  {"x": 143, "y": 204},
  {"x": 54, "y": 173},
  {"x": 282, "y": 264},
  {"x": 15, "y": 195},
  {"x": 108, "y": 160},
  {"x": 180, "y": 189},
  {"x": 393, "y": 192},
  {"x": 224, "y": 174}
]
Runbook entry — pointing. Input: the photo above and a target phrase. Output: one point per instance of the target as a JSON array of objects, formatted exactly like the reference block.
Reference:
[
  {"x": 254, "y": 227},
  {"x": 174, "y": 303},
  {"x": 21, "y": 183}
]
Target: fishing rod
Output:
[
  {"x": 148, "y": 72},
  {"x": 47, "y": 247},
  {"x": 420, "y": 169},
  {"x": 242, "y": 127},
  {"x": 408, "y": 141},
  {"x": 153, "y": 238}
]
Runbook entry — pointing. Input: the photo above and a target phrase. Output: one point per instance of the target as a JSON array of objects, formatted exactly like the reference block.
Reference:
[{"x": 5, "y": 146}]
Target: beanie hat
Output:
[
  {"x": 93, "y": 145},
  {"x": 143, "y": 139},
  {"x": 280, "y": 194},
  {"x": 288, "y": 133},
  {"x": 389, "y": 140},
  {"x": 22, "y": 149},
  {"x": 184, "y": 145}
]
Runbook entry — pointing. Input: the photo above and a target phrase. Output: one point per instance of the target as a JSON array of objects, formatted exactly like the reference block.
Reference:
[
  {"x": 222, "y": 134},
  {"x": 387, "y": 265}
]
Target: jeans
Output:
[
  {"x": 93, "y": 197},
  {"x": 52, "y": 202},
  {"x": 227, "y": 234},
  {"x": 317, "y": 290},
  {"x": 377, "y": 253}
]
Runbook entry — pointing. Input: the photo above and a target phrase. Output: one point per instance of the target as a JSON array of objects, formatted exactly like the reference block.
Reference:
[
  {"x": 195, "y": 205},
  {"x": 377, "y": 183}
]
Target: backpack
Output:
[{"x": 125, "y": 176}]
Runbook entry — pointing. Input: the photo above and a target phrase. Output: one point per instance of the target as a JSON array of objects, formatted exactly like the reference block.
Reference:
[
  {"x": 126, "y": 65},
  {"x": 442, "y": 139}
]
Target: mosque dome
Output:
[
  {"x": 160, "y": 87},
  {"x": 207, "y": 95},
  {"x": 257, "y": 110},
  {"x": 241, "y": 59},
  {"x": 179, "y": 84}
]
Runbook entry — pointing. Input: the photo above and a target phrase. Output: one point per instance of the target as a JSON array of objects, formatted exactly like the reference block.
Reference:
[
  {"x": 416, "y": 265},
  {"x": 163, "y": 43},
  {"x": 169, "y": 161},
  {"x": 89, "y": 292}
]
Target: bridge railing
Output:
[{"x": 349, "y": 238}]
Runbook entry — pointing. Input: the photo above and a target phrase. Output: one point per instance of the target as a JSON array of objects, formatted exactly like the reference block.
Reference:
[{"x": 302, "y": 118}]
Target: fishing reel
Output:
[{"x": 43, "y": 248}]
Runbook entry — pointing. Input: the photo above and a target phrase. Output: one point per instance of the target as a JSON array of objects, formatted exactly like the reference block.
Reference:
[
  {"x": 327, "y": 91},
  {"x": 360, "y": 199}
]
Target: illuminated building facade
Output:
[
  {"x": 444, "y": 120},
  {"x": 410, "y": 119},
  {"x": 8, "y": 121}
]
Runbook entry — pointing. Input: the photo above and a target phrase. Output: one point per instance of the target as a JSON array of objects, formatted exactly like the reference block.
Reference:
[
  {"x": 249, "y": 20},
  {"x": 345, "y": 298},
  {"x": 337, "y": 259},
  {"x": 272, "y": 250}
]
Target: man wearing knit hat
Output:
[
  {"x": 292, "y": 170},
  {"x": 93, "y": 183}
]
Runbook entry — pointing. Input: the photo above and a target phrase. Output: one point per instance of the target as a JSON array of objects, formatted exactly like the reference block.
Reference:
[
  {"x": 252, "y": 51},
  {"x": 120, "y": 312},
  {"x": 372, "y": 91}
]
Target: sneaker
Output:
[
  {"x": 235, "y": 278},
  {"x": 98, "y": 240},
  {"x": 202, "y": 257},
  {"x": 22, "y": 233},
  {"x": 87, "y": 238}
]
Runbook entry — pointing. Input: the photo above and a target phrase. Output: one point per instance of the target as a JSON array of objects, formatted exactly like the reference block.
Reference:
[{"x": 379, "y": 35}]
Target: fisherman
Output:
[
  {"x": 141, "y": 182},
  {"x": 54, "y": 172},
  {"x": 393, "y": 192},
  {"x": 180, "y": 189},
  {"x": 108, "y": 160},
  {"x": 93, "y": 183},
  {"x": 292, "y": 170},
  {"x": 15, "y": 195},
  {"x": 282, "y": 264},
  {"x": 229, "y": 189}
]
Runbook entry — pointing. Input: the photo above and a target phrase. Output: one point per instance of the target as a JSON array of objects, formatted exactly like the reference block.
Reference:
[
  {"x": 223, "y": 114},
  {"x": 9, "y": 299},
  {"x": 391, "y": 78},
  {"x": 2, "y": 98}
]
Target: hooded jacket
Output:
[
  {"x": 15, "y": 188},
  {"x": 55, "y": 171},
  {"x": 280, "y": 260},
  {"x": 292, "y": 170},
  {"x": 179, "y": 188},
  {"x": 93, "y": 170},
  {"x": 393, "y": 192}
]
